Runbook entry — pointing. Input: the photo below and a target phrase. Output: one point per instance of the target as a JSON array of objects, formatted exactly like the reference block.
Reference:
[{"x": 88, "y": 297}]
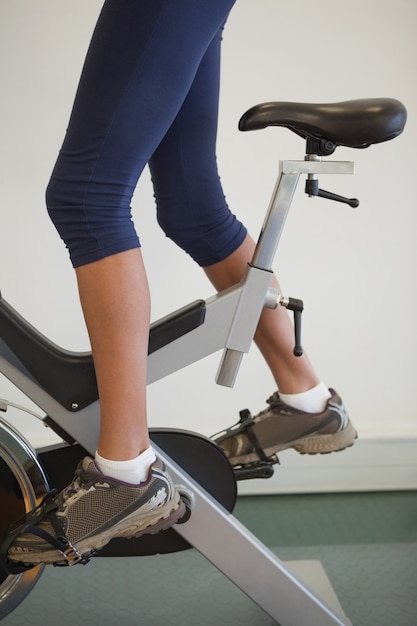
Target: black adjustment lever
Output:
[
  {"x": 312, "y": 189},
  {"x": 296, "y": 306}
]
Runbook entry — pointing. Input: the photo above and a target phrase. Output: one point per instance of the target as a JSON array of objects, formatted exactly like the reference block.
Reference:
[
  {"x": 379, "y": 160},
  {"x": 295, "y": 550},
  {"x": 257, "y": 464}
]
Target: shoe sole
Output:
[
  {"x": 135, "y": 525},
  {"x": 313, "y": 444},
  {"x": 324, "y": 444}
]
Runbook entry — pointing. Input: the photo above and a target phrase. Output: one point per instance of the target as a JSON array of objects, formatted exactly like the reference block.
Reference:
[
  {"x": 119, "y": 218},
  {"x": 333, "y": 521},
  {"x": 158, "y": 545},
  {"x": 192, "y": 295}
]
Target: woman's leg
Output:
[
  {"x": 140, "y": 66},
  {"x": 304, "y": 414},
  {"x": 141, "y": 63},
  {"x": 193, "y": 212}
]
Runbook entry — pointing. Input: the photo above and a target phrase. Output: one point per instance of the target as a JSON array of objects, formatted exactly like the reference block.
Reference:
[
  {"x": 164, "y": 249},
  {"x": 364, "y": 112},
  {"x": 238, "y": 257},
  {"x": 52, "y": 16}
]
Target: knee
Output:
[
  {"x": 55, "y": 203},
  {"x": 208, "y": 236},
  {"x": 52, "y": 198},
  {"x": 175, "y": 228},
  {"x": 62, "y": 206},
  {"x": 91, "y": 230}
]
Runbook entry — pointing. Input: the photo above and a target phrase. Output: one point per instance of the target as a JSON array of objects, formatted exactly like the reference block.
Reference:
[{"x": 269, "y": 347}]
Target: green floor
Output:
[{"x": 367, "y": 544}]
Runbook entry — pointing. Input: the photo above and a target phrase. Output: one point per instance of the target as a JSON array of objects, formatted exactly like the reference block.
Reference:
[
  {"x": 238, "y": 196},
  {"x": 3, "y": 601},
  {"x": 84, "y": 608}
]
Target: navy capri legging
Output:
[{"x": 148, "y": 94}]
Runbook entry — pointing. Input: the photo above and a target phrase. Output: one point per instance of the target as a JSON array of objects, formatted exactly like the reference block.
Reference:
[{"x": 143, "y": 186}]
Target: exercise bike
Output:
[{"x": 63, "y": 385}]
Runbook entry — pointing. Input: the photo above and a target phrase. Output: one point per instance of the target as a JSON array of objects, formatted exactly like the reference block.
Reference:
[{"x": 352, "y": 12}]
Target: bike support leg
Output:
[{"x": 250, "y": 565}]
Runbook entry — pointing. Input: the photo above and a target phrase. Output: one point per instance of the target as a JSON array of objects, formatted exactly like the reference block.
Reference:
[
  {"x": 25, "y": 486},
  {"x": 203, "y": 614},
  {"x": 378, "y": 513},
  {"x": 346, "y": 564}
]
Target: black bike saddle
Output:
[{"x": 353, "y": 123}]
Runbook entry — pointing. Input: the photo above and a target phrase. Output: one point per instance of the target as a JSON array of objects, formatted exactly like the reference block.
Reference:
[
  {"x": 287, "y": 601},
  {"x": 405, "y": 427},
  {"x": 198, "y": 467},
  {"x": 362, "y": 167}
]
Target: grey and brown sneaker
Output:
[
  {"x": 69, "y": 527},
  {"x": 280, "y": 427}
]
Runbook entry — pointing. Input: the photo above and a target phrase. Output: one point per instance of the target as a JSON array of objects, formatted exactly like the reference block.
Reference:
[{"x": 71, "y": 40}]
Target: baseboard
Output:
[
  {"x": 372, "y": 464},
  {"x": 385, "y": 464}
]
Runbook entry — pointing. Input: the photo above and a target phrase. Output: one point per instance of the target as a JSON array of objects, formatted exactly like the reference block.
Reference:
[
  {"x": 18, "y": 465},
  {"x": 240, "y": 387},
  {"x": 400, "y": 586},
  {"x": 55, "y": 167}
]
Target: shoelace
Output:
[
  {"x": 275, "y": 402},
  {"x": 82, "y": 480}
]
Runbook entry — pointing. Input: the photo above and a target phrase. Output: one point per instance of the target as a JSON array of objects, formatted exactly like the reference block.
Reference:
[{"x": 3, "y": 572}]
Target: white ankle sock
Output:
[
  {"x": 133, "y": 471},
  {"x": 312, "y": 401}
]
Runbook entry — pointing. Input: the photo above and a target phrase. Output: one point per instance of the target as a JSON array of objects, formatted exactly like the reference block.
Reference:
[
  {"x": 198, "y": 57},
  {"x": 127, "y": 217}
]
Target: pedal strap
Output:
[
  {"x": 30, "y": 525},
  {"x": 248, "y": 423}
]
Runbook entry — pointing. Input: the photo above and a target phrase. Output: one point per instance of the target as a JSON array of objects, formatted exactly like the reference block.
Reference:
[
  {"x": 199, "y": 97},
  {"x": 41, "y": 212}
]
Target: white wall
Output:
[{"x": 354, "y": 269}]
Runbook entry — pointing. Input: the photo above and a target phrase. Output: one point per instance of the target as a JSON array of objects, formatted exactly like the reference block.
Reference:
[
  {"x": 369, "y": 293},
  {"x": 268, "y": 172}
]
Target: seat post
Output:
[
  {"x": 275, "y": 219},
  {"x": 283, "y": 193}
]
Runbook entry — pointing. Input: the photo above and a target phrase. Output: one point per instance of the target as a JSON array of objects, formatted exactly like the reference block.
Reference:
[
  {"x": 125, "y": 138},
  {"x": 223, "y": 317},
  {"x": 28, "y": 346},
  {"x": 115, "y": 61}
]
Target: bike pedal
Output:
[{"x": 256, "y": 470}]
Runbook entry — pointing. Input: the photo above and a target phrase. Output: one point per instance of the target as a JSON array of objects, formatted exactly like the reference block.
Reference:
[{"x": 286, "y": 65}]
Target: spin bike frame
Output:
[{"x": 227, "y": 321}]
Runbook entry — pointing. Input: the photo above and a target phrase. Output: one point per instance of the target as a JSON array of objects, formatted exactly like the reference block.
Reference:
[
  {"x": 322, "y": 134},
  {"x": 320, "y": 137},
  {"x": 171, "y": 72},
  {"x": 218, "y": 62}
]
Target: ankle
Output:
[
  {"x": 133, "y": 471},
  {"x": 312, "y": 401}
]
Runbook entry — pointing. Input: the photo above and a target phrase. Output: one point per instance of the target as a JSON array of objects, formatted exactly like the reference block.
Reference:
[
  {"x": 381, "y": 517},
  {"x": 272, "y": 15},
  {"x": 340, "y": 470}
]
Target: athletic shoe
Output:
[
  {"x": 280, "y": 427},
  {"x": 68, "y": 528}
]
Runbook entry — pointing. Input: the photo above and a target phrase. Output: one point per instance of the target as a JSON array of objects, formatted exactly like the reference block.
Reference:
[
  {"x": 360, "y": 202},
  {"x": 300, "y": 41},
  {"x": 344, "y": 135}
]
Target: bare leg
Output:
[
  {"x": 114, "y": 296},
  {"x": 115, "y": 299},
  {"x": 312, "y": 428},
  {"x": 275, "y": 335}
]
